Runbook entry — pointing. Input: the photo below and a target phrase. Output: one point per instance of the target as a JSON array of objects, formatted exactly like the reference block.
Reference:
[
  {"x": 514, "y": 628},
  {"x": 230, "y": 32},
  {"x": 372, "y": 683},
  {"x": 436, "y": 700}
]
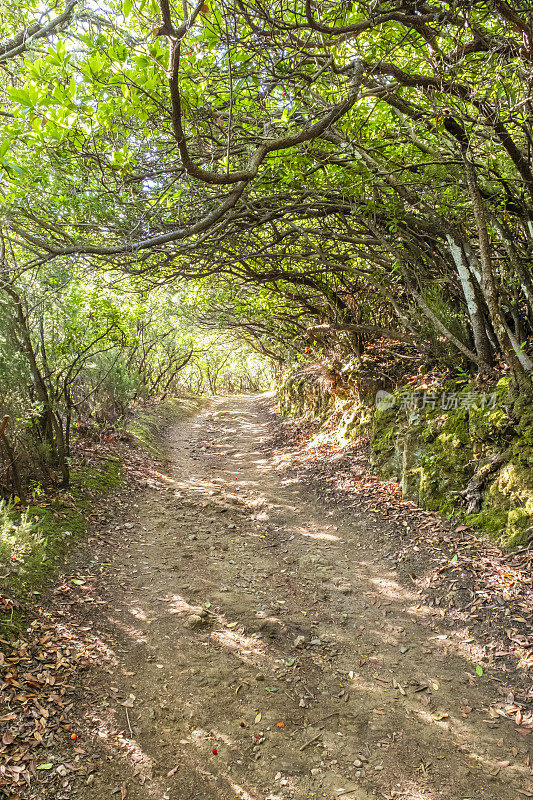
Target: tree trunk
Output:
[
  {"x": 518, "y": 362},
  {"x": 481, "y": 340}
]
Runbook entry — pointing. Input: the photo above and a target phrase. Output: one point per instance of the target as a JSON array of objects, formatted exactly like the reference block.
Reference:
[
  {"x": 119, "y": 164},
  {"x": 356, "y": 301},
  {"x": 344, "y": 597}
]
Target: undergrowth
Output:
[{"x": 35, "y": 539}]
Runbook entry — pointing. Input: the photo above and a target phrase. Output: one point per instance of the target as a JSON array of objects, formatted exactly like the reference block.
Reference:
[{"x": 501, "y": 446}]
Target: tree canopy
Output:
[{"x": 319, "y": 175}]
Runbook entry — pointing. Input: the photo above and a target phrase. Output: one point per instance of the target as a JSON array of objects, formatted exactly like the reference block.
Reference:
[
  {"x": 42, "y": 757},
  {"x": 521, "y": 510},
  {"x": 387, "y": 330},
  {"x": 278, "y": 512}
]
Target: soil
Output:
[{"x": 243, "y": 638}]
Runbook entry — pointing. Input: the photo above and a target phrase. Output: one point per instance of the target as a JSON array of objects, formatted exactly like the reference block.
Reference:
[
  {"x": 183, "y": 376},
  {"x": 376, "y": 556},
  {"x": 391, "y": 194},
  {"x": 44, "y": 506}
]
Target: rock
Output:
[
  {"x": 195, "y": 621},
  {"x": 269, "y": 628},
  {"x": 315, "y": 562},
  {"x": 260, "y": 676},
  {"x": 299, "y": 641}
]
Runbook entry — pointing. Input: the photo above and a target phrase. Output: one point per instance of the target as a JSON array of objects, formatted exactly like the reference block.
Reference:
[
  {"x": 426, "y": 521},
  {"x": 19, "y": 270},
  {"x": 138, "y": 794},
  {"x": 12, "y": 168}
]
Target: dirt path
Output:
[{"x": 239, "y": 615}]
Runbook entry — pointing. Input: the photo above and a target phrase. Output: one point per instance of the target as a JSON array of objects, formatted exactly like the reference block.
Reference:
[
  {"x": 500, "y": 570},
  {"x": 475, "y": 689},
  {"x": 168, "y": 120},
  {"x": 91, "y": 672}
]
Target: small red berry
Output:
[
  {"x": 73, "y": 736},
  {"x": 242, "y": 724},
  {"x": 214, "y": 751}
]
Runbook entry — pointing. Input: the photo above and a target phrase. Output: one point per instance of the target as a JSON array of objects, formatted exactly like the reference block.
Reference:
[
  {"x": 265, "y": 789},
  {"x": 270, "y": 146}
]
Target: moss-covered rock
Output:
[
  {"x": 434, "y": 451},
  {"x": 304, "y": 394},
  {"x": 435, "y": 446}
]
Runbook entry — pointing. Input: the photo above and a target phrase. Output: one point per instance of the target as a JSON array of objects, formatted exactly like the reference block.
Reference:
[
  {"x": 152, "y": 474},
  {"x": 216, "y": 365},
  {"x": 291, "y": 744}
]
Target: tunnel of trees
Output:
[{"x": 192, "y": 193}]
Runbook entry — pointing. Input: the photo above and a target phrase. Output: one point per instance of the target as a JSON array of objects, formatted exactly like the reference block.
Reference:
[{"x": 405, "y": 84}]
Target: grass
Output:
[
  {"x": 148, "y": 426},
  {"x": 35, "y": 539}
]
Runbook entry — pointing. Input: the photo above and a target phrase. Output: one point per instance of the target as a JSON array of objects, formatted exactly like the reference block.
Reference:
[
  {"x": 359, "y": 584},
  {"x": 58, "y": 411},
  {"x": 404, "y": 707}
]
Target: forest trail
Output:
[{"x": 235, "y": 597}]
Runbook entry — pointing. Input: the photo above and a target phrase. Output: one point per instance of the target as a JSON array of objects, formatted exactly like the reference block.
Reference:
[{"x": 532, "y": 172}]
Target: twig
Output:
[
  {"x": 328, "y": 716},
  {"x": 311, "y": 741},
  {"x": 347, "y": 791},
  {"x": 128, "y": 720}
]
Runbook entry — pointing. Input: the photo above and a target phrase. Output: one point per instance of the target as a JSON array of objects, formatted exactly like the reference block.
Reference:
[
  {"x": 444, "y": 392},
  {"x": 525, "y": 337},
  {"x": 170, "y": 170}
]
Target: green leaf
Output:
[
  {"x": 78, "y": 582},
  {"x": 479, "y": 670},
  {"x": 45, "y": 766},
  {"x": 4, "y": 147}
]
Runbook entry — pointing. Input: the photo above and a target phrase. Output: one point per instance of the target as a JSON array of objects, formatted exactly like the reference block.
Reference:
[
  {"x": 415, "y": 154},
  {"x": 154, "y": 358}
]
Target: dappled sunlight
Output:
[
  {"x": 325, "y": 536},
  {"x": 244, "y": 794},
  {"x": 409, "y": 791},
  {"x": 131, "y": 632},
  {"x": 325, "y": 661},
  {"x": 178, "y": 605},
  {"x": 138, "y": 613},
  {"x": 391, "y": 589},
  {"x": 248, "y": 649},
  {"x": 86, "y": 643}
]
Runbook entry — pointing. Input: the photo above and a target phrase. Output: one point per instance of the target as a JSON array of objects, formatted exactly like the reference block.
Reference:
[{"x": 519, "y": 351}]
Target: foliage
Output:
[
  {"x": 78, "y": 354},
  {"x": 311, "y": 178}
]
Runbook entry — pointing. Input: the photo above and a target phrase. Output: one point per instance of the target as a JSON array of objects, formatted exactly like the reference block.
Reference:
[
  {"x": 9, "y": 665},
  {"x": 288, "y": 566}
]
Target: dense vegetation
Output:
[{"x": 347, "y": 182}]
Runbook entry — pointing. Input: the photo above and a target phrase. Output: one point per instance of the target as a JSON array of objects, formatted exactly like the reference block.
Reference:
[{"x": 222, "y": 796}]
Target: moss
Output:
[
  {"x": 445, "y": 449},
  {"x": 104, "y": 479},
  {"x": 490, "y": 520},
  {"x": 355, "y": 423},
  {"x": 306, "y": 394}
]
